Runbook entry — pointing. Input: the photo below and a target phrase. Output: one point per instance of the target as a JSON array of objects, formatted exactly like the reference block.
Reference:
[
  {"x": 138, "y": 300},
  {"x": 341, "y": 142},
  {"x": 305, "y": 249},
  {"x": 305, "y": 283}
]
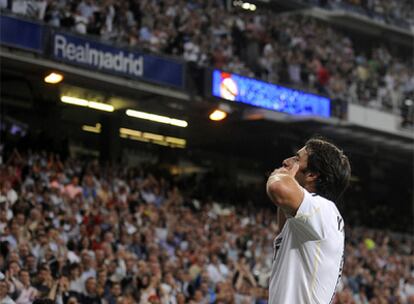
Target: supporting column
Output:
[{"x": 110, "y": 144}]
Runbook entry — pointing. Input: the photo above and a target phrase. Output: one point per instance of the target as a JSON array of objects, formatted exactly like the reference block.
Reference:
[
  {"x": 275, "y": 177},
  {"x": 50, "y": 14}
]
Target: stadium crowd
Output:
[
  {"x": 294, "y": 50},
  {"x": 78, "y": 232},
  {"x": 399, "y": 13}
]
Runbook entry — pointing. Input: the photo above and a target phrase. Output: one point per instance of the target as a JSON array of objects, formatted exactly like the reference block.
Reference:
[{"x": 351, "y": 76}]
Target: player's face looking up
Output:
[{"x": 303, "y": 176}]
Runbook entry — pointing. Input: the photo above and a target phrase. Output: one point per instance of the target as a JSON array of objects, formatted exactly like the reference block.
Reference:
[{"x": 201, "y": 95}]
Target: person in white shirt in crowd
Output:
[
  {"x": 26, "y": 292},
  {"x": 4, "y": 287},
  {"x": 217, "y": 271},
  {"x": 9, "y": 193}
]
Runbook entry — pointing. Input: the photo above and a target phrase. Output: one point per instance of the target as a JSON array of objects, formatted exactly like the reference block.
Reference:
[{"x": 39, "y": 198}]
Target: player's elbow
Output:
[
  {"x": 286, "y": 194},
  {"x": 276, "y": 192}
]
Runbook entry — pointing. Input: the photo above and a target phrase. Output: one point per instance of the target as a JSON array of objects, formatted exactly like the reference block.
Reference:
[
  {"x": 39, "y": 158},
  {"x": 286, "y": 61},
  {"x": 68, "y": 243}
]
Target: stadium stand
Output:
[
  {"x": 85, "y": 224},
  {"x": 288, "y": 50},
  {"x": 399, "y": 13},
  {"x": 78, "y": 232}
]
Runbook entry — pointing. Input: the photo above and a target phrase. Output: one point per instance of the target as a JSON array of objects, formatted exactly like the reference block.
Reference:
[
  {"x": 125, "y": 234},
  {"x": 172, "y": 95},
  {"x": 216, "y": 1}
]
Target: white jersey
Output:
[{"x": 308, "y": 254}]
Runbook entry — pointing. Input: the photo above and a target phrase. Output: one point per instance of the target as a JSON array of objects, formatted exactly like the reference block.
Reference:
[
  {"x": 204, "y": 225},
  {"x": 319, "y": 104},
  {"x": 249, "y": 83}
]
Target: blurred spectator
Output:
[
  {"x": 4, "y": 290},
  {"x": 26, "y": 292}
]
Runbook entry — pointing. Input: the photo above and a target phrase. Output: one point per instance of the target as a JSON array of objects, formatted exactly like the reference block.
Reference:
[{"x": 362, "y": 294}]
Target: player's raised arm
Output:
[{"x": 284, "y": 190}]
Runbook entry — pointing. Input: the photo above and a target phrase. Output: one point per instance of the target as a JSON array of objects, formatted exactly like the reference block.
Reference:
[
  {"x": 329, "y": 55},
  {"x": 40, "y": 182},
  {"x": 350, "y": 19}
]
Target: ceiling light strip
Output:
[
  {"x": 92, "y": 129},
  {"x": 157, "y": 118},
  {"x": 158, "y": 139},
  {"x": 87, "y": 103}
]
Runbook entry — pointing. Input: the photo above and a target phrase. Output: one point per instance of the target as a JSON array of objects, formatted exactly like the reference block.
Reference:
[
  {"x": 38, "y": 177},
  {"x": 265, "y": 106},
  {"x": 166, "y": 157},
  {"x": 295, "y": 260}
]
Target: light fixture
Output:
[
  {"x": 174, "y": 140},
  {"x": 157, "y": 118},
  {"x": 218, "y": 115},
  {"x": 87, "y": 103},
  {"x": 74, "y": 101},
  {"x": 100, "y": 106},
  {"x": 220, "y": 112},
  {"x": 153, "y": 136},
  {"x": 92, "y": 129},
  {"x": 163, "y": 140},
  {"x": 161, "y": 143},
  {"x": 246, "y": 5},
  {"x": 53, "y": 78},
  {"x": 126, "y": 132}
]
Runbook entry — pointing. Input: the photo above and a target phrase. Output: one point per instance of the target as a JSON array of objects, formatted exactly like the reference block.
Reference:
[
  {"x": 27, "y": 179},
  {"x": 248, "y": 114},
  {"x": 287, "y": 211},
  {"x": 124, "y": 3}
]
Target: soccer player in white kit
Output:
[{"x": 309, "y": 250}]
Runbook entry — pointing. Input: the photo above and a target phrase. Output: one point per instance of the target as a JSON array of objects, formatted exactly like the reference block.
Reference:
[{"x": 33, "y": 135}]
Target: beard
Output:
[{"x": 300, "y": 177}]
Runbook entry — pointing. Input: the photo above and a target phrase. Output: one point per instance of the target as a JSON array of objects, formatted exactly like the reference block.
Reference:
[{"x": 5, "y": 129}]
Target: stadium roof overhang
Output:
[{"x": 19, "y": 62}]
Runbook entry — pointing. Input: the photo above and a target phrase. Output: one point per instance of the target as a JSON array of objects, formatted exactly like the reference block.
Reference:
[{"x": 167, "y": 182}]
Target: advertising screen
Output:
[{"x": 269, "y": 96}]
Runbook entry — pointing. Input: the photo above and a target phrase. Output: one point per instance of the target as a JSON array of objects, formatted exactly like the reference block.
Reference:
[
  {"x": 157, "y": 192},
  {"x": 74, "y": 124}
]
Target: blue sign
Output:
[
  {"x": 20, "y": 33},
  {"x": 269, "y": 96},
  {"x": 96, "y": 55}
]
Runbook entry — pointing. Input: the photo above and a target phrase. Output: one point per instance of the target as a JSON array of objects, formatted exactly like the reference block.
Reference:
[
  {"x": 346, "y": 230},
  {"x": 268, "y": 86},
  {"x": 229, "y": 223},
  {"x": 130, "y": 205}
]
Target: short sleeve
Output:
[{"x": 309, "y": 221}]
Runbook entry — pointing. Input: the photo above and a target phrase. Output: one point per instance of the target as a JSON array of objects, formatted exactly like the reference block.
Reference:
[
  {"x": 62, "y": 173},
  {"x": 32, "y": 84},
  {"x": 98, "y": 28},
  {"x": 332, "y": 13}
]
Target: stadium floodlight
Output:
[
  {"x": 53, "y": 78},
  {"x": 218, "y": 115},
  {"x": 157, "y": 118},
  {"x": 87, "y": 103}
]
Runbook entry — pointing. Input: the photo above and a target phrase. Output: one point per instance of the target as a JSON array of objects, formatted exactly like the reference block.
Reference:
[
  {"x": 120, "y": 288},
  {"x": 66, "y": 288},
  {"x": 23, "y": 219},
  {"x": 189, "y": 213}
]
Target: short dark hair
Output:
[{"x": 332, "y": 167}]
